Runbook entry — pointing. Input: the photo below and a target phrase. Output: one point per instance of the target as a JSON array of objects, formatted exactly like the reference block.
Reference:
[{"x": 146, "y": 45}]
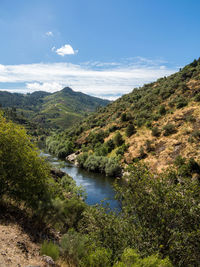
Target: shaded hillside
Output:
[
  {"x": 59, "y": 109},
  {"x": 154, "y": 123}
]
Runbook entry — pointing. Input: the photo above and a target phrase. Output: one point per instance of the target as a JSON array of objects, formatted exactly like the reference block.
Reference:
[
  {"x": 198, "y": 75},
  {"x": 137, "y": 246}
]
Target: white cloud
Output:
[
  {"x": 48, "y": 87},
  {"x": 49, "y": 33},
  {"x": 111, "y": 81},
  {"x": 65, "y": 50}
]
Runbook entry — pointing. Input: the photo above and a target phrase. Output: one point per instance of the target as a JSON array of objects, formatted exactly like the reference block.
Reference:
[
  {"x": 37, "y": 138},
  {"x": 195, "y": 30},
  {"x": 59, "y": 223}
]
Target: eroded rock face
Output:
[{"x": 71, "y": 157}]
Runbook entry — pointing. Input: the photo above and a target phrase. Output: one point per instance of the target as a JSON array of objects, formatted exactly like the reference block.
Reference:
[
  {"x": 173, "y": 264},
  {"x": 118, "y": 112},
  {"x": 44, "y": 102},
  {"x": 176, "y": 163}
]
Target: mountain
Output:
[
  {"x": 52, "y": 110},
  {"x": 155, "y": 123}
]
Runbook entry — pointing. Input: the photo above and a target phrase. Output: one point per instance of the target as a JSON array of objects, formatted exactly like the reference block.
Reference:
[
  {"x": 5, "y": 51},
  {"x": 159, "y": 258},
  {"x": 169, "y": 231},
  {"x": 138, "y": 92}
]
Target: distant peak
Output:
[{"x": 67, "y": 90}]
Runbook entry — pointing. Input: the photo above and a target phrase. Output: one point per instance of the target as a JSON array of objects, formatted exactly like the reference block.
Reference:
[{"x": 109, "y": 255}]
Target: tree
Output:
[{"x": 23, "y": 174}]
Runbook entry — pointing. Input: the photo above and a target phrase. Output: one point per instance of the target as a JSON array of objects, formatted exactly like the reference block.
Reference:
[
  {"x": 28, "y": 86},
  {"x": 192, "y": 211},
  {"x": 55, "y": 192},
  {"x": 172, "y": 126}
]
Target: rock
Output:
[
  {"x": 72, "y": 157},
  {"x": 48, "y": 260}
]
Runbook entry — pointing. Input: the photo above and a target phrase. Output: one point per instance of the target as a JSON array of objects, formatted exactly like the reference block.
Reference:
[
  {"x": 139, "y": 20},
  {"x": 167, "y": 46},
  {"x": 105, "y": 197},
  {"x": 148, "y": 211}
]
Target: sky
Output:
[{"x": 102, "y": 48}]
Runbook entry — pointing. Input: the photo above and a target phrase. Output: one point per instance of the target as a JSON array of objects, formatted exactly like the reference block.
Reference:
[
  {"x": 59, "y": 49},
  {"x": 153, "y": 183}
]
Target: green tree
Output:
[{"x": 23, "y": 174}]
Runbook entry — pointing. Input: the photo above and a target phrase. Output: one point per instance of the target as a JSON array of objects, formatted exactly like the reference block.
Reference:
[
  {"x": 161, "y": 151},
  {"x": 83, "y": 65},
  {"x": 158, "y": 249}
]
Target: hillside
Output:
[
  {"x": 52, "y": 110},
  {"x": 156, "y": 122}
]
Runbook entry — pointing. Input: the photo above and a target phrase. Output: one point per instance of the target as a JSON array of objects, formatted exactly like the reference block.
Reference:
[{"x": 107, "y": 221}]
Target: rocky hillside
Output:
[
  {"x": 154, "y": 123},
  {"x": 57, "y": 110}
]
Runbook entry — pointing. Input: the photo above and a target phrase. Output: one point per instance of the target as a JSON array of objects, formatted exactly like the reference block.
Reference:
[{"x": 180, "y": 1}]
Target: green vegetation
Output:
[
  {"x": 51, "y": 111},
  {"x": 133, "y": 115},
  {"x": 50, "y": 249},
  {"x": 158, "y": 224},
  {"x": 130, "y": 130}
]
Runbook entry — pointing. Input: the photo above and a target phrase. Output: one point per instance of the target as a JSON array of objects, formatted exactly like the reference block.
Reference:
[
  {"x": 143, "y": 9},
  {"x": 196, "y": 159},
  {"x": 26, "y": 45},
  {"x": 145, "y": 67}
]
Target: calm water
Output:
[{"x": 97, "y": 186}]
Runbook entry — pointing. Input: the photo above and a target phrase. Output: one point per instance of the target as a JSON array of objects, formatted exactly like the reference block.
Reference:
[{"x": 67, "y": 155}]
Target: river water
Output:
[{"x": 97, "y": 186}]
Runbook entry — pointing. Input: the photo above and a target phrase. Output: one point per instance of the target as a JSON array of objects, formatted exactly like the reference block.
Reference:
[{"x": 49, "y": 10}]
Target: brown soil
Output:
[
  {"x": 21, "y": 238},
  {"x": 17, "y": 249}
]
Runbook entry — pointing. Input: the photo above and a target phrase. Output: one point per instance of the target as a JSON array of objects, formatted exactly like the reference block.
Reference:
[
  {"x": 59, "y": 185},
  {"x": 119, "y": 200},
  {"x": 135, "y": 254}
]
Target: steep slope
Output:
[
  {"x": 157, "y": 122},
  {"x": 59, "y": 109}
]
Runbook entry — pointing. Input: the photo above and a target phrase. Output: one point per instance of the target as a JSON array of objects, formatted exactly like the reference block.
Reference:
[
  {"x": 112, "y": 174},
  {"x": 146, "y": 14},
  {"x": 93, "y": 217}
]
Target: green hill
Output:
[
  {"x": 154, "y": 123},
  {"x": 57, "y": 110}
]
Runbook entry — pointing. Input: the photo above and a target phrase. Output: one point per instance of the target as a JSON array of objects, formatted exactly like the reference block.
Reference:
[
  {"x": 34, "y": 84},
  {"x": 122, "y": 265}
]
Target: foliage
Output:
[
  {"x": 155, "y": 131},
  {"x": 162, "y": 110},
  {"x": 74, "y": 246},
  {"x": 24, "y": 175},
  {"x": 130, "y": 258},
  {"x": 130, "y": 130},
  {"x": 169, "y": 129},
  {"x": 100, "y": 257},
  {"x": 118, "y": 140},
  {"x": 109, "y": 166},
  {"x": 164, "y": 212},
  {"x": 50, "y": 249},
  {"x": 57, "y": 110}
]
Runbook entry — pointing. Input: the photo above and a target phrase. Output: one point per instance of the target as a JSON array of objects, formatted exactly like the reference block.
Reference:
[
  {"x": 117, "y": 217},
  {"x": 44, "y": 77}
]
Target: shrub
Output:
[
  {"x": 181, "y": 103},
  {"x": 162, "y": 110},
  {"x": 169, "y": 129},
  {"x": 74, "y": 246},
  {"x": 118, "y": 140},
  {"x": 155, "y": 131},
  {"x": 50, "y": 249},
  {"x": 131, "y": 258},
  {"x": 101, "y": 257},
  {"x": 122, "y": 149},
  {"x": 110, "y": 145},
  {"x": 130, "y": 130},
  {"x": 123, "y": 117},
  {"x": 197, "y": 97},
  {"x": 82, "y": 158},
  {"x": 112, "y": 168}
]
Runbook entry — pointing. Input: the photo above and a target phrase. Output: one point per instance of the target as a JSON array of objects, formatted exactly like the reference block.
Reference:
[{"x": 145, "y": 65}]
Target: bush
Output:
[
  {"x": 169, "y": 129},
  {"x": 101, "y": 257},
  {"x": 181, "y": 103},
  {"x": 131, "y": 258},
  {"x": 74, "y": 246},
  {"x": 50, "y": 249},
  {"x": 118, "y": 140},
  {"x": 197, "y": 97},
  {"x": 123, "y": 117},
  {"x": 162, "y": 110},
  {"x": 130, "y": 130},
  {"x": 155, "y": 131},
  {"x": 112, "y": 168}
]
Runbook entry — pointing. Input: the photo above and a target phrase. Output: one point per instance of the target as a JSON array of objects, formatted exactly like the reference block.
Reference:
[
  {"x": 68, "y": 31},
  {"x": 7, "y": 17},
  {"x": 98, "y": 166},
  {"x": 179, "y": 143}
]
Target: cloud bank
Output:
[{"x": 107, "y": 80}]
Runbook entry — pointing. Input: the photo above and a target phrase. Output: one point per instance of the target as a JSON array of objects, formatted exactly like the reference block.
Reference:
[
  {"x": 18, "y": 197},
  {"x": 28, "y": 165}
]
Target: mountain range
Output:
[{"x": 52, "y": 110}]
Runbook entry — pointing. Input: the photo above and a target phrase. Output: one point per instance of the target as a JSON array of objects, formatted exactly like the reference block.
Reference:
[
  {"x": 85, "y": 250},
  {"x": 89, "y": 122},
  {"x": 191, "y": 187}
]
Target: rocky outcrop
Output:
[{"x": 73, "y": 157}]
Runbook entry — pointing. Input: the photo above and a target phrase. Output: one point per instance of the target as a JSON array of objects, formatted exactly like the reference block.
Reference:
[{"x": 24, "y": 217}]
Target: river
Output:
[{"x": 97, "y": 186}]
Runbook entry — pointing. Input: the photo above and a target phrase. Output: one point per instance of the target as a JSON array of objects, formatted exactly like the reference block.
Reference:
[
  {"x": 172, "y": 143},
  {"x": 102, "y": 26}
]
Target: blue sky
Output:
[{"x": 103, "y": 48}]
